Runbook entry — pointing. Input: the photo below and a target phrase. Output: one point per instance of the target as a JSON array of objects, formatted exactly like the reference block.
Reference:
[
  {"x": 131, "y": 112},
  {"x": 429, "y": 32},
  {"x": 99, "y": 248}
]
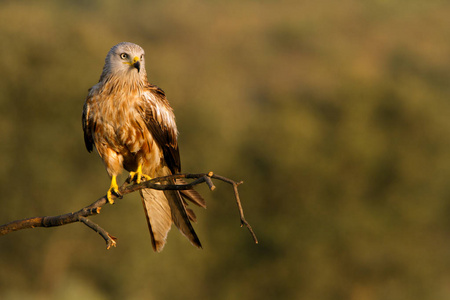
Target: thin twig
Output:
[
  {"x": 238, "y": 202},
  {"x": 109, "y": 239}
]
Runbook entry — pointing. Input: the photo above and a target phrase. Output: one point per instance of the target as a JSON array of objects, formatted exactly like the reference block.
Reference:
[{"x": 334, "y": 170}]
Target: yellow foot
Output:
[
  {"x": 113, "y": 189},
  {"x": 137, "y": 176}
]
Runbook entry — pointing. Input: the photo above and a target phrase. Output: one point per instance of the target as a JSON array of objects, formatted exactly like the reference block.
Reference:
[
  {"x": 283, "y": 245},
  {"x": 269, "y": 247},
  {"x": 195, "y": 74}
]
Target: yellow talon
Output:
[
  {"x": 114, "y": 188},
  {"x": 138, "y": 175}
]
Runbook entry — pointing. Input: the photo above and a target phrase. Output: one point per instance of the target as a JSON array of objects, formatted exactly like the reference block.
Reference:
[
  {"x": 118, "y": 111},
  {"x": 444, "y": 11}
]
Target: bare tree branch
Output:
[{"x": 126, "y": 188}]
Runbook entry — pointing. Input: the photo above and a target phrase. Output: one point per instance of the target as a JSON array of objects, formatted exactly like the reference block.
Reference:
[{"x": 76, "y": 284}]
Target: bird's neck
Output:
[{"x": 130, "y": 84}]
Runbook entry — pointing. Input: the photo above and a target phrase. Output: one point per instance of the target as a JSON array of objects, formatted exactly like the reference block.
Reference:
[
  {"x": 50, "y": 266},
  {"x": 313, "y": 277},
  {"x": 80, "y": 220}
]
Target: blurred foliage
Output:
[{"x": 335, "y": 114}]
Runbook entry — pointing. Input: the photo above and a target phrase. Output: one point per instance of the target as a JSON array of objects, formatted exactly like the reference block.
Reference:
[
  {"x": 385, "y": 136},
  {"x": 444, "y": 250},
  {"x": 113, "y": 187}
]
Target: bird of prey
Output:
[{"x": 132, "y": 126}]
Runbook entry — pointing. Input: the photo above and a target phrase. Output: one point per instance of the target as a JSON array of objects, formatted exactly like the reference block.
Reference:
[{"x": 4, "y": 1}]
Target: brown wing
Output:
[
  {"x": 88, "y": 125},
  {"x": 160, "y": 121}
]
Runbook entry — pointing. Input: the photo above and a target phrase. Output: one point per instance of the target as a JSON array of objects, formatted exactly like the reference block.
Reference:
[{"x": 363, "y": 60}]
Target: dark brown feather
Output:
[
  {"x": 180, "y": 216},
  {"x": 192, "y": 195},
  {"x": 87, "y": 128},
  {"x": 165, "y": 136},
  {"x": 191, "y": 215}
]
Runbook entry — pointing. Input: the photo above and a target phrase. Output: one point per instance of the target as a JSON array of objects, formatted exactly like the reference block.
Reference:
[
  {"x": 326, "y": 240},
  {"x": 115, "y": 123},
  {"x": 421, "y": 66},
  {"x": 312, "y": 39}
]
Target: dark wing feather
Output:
[
  {"x": 164, "y": 132},
  {"x": 167, "y": 139},
  {"x": 88, "y": 127},
  {"x": 181, "y": 217},
  {"x": 192, "y": 195},
  {"x": 164, "y": 135}
]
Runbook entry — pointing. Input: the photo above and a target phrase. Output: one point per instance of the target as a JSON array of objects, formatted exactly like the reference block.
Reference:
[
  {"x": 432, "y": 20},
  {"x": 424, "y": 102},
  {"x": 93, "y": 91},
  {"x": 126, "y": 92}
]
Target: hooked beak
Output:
[{"x": 137, "y": 64}]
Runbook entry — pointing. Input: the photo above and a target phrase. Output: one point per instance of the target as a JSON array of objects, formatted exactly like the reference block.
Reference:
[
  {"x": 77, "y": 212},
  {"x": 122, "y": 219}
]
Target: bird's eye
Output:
[
  {"x": 123, "y": 56},
  {"x": 142, "y": 56}
]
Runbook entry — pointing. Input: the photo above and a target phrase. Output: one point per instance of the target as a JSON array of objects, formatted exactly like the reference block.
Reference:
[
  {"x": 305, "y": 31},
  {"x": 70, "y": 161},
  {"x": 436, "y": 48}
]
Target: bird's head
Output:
[{"x": 125, "y": 59}]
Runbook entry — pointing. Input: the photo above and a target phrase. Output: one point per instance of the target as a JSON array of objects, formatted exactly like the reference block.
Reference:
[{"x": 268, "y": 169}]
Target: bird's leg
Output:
[
  {"x": 136, "y": 176},
  {"x": 114, "y": 188}
]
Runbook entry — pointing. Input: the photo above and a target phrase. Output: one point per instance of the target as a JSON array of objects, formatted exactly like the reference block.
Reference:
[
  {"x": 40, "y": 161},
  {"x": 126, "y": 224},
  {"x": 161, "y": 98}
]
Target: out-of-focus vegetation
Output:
[{"x": 336, "y": 114}]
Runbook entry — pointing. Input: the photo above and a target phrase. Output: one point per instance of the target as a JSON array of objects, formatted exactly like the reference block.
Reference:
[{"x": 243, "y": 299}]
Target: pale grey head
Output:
[{"x": 125, "y": 59}]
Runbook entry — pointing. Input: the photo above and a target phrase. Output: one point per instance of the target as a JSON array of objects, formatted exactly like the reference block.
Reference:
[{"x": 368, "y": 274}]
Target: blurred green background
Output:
[{"x": 334, "y": 113}]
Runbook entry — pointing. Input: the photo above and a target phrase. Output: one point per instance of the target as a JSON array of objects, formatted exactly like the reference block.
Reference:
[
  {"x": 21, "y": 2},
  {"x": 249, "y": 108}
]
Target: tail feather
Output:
[
  {"x": 159, "y": 219},
  {"x": 191, "y": 214},
  {"x": 192, "y": 195},
  {"x": 180, "y": 216},
  {"x": 161, "y": 209}
]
